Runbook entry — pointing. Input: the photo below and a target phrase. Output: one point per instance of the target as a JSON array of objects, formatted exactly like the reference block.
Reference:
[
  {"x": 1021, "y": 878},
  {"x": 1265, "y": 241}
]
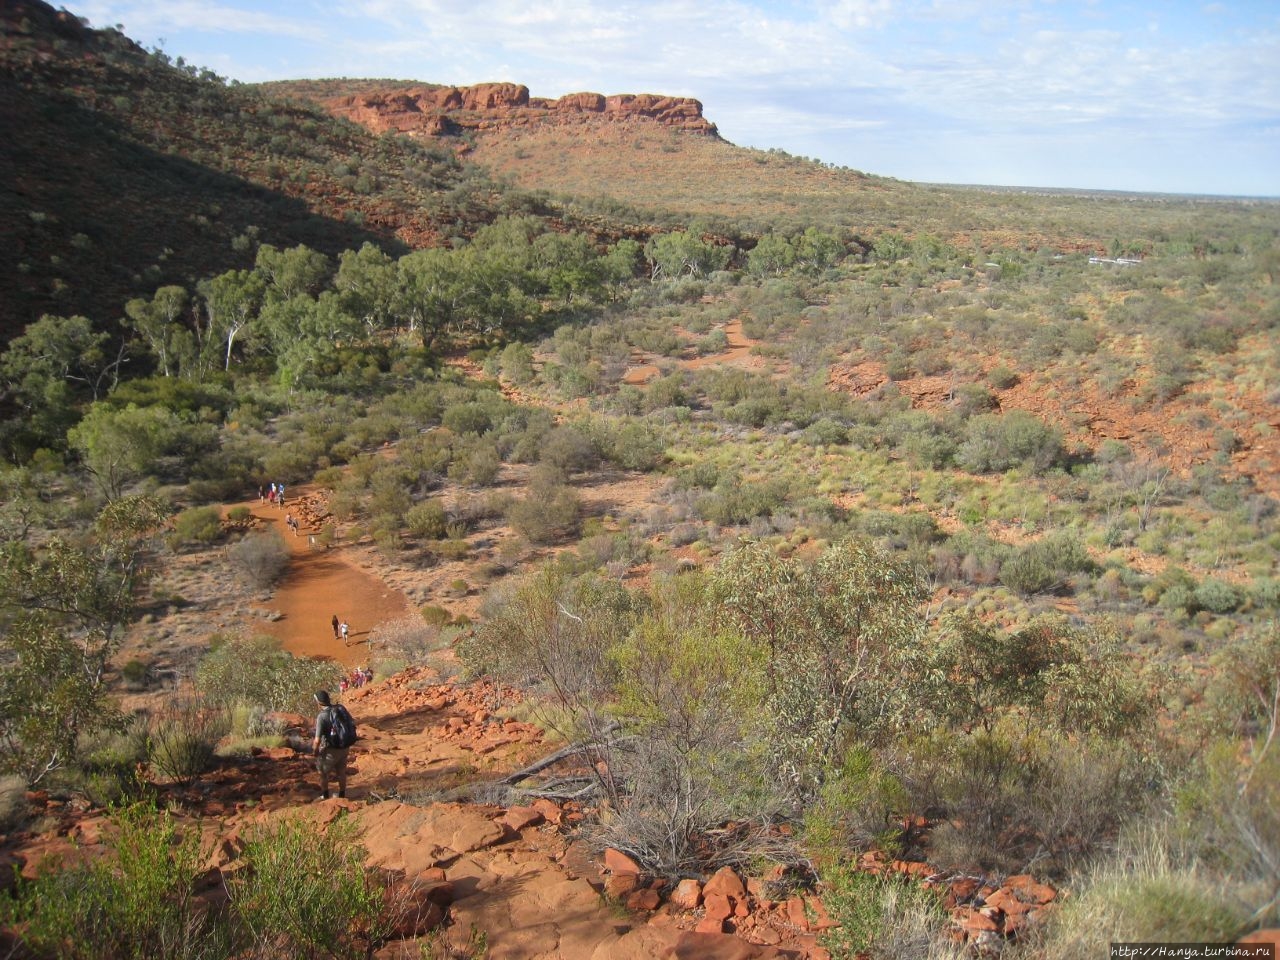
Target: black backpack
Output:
[{"x": 342, "y": 729}]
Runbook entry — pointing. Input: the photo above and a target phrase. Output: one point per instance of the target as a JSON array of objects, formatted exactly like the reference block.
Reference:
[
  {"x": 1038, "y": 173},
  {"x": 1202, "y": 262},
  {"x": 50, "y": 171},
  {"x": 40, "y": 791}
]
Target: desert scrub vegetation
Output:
[
  {"x": 259, "y": 559},
  {"x": 881, "y": 918},
  {"x": 301, "y": 893},
  {"x": 813, "y": 691},
  {"x": 258, "y": 672},
  {"x": 844, "y": 673},
  {"x": 199, "y": 525},
  {"x": 65, "y": 601}
]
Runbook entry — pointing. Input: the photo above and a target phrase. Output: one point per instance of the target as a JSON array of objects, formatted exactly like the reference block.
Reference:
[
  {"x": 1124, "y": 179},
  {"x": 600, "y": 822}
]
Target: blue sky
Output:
[{"x": 1169, "y": 96}]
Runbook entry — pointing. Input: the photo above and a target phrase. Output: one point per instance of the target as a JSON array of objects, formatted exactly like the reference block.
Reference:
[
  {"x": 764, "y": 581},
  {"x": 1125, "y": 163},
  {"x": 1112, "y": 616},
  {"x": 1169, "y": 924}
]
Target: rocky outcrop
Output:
[{"x": 441, "y": 111}]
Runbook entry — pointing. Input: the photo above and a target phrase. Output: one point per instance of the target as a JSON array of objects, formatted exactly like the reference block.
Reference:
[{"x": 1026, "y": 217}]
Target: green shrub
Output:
[
  {"x": 451, "y": 549},
  {"x": 691, "y": 774},
  {"x": 427, "y": 519},
  {"x": 1008, "y": 798},
  {"x": 734, "y": 501},
  {"x": 475, "y": 462},
  {"x": 137, "y": 903},
  {"x": 135, "y": 674},
  {"x": 635, "y": 445},
  {"x": 436, "y": 616},
  {"x": 1266, "y": 593},
  {"x": 883, "y": 918},
  {"x": 465, "y": 418},
  {"x": 973, "y": 398},
  {"x": 1230, "y": 804},
  {"x": 308, "y": 893},
  {"x": 1217, "y": 596},
  {"x": 996, "y": 442},
  {"x": 183, "y": 737},
  {"x": 258, "y": 672},
  {"x": 826, "y": 432},
  {"x": 517, "y": 363},
  {"x": 898, "y": 367},
  {"x": 1179, "y": 597},
  {"x": 1143, "y": 894},
  {"x": 303, "y": 892},
  {"x": 105, "y": 771},
  {"x": 841, "y": 630},
  {"x": 547, "y": 514},
  {"x": 1045, "y": 564},
  {"x": 902, "y": 528},
  {"x": 1002, "y": 378},
  {"x": 197, "y": 525},
  {"x": 569, "y": 449},
  {"x": 702, "y": 474},
  {"x": 239, "y": 513},
  {"x": 1170, "y": 577},
  {"x": 852, "y": 809},
  {"x": 13, "y": 801}
]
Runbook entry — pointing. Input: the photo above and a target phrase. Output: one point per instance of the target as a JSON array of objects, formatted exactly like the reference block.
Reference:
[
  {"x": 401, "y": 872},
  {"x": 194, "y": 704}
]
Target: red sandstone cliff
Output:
[{"x": 436, "y": 111}]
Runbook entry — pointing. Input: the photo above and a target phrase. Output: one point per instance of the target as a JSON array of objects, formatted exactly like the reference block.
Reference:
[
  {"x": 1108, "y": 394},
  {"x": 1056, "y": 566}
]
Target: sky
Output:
[{"x": 1167, "y": 97}]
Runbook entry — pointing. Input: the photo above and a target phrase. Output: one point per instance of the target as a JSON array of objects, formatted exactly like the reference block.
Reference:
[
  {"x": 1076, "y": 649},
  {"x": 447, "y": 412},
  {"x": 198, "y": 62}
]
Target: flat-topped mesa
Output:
[{"x": 439, "y": 111}]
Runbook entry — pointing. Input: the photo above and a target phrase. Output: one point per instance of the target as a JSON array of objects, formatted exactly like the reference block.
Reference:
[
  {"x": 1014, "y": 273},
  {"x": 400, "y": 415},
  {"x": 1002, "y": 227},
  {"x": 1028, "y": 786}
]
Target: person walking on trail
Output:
[
  {"x": 331, "y": 761},
  {"x": 344, "y": 628},
  {"x": 337, "y": 634}
]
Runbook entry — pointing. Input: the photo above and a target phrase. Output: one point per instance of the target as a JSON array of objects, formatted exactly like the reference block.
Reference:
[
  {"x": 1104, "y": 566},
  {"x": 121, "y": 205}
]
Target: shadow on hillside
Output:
[{"x": 147, "y": 217}]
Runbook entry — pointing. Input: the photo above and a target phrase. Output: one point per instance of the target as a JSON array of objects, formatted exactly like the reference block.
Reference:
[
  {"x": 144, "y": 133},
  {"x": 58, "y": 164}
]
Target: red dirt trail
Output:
[{"x": 320, "y": 584}]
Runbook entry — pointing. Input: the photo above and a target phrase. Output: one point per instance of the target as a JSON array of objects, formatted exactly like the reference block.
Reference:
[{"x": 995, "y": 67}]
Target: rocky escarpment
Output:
[{"x": 444, "y": 111}]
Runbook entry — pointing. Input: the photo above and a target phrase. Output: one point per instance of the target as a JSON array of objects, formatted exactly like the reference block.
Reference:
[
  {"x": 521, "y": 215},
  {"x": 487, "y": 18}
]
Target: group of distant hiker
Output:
[
  {"x": 359, "y": 677},
  {"x": 273, "y": 495}
]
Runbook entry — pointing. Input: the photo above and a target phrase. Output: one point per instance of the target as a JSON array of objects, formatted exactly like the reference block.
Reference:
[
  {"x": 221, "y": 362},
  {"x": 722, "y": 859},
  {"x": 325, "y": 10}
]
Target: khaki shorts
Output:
[{"x": 332, "y": 759}]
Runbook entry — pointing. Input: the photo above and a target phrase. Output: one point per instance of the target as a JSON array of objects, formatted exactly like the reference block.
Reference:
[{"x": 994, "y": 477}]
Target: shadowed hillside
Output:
[{"x": 130, "y": 171}]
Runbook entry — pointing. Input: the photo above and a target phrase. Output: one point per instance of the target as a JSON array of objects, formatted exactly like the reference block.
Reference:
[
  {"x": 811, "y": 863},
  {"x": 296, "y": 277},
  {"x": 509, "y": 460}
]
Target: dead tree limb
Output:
[{"x": 572, "y": 750}]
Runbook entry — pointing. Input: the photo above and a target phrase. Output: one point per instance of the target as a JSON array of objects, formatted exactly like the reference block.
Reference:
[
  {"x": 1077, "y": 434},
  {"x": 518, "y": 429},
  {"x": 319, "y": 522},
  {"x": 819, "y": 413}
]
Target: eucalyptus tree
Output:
[
  {"x": 293, "y": 272},
  {"x": 231, "y": 302},
  {"x": 366, "y": 280},
  {"x": 684, "y": 253},
  {"x": 157, "y": 322},
  {"x": 47, "y": 373},
  {"x": 120, "y": 446}
]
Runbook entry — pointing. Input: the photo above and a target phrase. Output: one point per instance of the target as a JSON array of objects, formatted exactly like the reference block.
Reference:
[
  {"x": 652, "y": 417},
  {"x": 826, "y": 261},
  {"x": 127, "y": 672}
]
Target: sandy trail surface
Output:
[{"x": 322, "y": 583}]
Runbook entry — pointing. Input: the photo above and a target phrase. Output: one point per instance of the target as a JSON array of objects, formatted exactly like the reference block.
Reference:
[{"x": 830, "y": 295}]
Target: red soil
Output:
[{"x": 320, "y": 584}]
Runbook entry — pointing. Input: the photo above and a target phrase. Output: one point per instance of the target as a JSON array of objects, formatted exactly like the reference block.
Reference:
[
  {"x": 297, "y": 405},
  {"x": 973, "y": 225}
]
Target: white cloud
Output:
[
  {"x": 161, "y": 19},
  {"x": 856, "y": 14}
]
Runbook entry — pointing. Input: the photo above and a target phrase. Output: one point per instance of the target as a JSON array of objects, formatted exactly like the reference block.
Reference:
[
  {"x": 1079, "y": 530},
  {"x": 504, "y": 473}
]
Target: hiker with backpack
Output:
[{"x": 335, "y": 733}]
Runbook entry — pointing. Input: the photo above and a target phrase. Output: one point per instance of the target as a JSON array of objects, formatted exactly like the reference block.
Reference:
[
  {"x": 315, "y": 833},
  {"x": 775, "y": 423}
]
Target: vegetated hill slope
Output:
[{"x": 123, "y": 171}]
